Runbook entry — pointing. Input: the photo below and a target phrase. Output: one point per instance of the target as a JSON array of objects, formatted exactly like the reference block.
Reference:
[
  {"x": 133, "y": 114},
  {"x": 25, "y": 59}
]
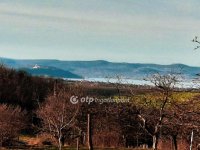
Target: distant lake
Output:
[{"x": 182, "y": 84}]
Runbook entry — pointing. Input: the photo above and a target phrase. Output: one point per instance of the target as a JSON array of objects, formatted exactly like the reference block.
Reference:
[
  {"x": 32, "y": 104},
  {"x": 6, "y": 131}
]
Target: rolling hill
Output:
[
  {"x": 50, "y": 72},
  {"x": 98, "y": 68}
]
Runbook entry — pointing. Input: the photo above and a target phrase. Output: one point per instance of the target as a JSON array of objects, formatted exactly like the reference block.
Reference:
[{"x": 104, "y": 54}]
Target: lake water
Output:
[{"x": 181, "y": 84}]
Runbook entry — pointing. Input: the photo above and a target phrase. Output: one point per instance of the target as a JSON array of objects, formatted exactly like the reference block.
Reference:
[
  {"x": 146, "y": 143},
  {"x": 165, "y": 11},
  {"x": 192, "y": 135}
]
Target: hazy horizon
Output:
[{"x": 98, "y": 60}]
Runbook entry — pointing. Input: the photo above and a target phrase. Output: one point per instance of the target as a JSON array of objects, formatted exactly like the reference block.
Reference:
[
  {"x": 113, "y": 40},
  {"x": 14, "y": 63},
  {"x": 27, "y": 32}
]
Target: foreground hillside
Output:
[{"x": 43, "y": 112}]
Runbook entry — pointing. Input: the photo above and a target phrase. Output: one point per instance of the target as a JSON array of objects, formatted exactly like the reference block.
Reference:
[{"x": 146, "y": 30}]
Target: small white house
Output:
[{"x": 36, "y": 66}]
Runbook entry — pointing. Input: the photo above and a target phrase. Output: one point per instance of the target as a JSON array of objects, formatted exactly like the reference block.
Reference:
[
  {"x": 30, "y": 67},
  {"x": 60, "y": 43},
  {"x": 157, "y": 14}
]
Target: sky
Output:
[{"x": 136, "y": 31}]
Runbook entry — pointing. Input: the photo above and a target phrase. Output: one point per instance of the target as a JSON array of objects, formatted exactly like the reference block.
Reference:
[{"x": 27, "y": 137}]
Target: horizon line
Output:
[{"x": 56, "y": 59}]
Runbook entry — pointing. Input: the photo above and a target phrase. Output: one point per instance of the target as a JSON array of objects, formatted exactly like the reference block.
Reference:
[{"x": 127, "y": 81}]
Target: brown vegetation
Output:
[
  {"x": 12, "y": 121},
  {"x": 154, "y": 117}
]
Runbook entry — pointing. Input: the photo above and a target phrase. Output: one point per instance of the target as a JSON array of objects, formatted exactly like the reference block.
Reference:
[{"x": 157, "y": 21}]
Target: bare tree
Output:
[
  {"x": 196, "y": 40},
  {"x": 151, "y": 113},
  {"x": 58, "y": 116},
  {"x": 12, "y": 121}
]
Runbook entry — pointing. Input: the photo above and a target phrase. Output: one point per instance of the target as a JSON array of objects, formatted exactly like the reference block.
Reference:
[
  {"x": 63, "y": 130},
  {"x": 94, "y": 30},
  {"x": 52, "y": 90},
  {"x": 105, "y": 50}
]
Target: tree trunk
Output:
[
  {"x": 174, "y": 140},
  {"x": 63, "y": 141},
  {"x": 155, "y": 142},
  {"x": 89, "y": 134},
  {"x": 77, "y": 144},
  {"x": 59, "y": 143},
  {"x": 1, "y": 142}
]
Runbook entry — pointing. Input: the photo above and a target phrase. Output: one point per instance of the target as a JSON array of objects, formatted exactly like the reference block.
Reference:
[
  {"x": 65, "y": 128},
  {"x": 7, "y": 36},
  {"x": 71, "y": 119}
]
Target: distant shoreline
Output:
[{"x": 182, "y": 84}]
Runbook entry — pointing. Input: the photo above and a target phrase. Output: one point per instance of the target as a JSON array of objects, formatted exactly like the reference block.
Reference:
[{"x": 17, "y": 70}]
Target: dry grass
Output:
[
  {"x": 69, "y": 148},
  {"x": 35, "y": 143}
]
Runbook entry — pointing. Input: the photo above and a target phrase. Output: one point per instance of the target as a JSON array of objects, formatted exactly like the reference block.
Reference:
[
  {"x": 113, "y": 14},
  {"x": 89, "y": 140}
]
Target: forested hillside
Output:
[{"x": 101, "y": 115}]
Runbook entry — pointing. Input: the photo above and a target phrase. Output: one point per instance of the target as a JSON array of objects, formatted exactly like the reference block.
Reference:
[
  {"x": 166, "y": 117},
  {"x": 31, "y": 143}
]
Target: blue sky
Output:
[{"x": 142, "y": 31}]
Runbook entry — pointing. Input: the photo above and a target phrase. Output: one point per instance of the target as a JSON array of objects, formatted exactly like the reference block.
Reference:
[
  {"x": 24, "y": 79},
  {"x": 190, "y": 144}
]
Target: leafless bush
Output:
[
  {"x": 58, "y": 116},
  {"x": 11, "y": 122}
]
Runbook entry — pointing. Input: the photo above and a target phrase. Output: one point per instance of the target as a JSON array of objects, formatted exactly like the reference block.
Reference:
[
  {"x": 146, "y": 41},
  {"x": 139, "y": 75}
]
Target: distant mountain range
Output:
[{"x": 96, "y": 69}]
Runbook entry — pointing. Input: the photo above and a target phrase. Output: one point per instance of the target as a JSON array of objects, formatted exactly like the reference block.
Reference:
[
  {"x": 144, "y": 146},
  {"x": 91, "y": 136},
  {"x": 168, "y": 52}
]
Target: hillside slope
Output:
[{"x": 101, "y": 68}]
